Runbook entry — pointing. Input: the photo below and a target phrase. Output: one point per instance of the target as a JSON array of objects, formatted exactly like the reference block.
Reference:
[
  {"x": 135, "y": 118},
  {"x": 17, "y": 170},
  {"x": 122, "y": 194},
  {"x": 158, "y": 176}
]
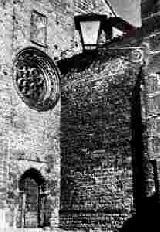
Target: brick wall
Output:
[
  {"x": 88, "y": 6},
  {"x": 96, "y": 137}
]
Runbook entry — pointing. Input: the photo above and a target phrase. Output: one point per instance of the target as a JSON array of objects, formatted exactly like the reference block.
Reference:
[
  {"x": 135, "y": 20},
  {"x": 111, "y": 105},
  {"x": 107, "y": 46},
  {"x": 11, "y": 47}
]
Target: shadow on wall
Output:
[
  {"x": 147, "y": 208},
  {"x": 147, "y": 219}
]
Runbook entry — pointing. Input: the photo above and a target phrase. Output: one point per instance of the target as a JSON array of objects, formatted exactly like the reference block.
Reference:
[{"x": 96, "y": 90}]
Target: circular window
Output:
[{"x": 36, "y": 79}]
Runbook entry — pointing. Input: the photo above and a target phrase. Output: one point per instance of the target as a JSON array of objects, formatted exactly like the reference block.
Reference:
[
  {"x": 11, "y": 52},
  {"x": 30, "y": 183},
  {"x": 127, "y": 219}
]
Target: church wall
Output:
[{"x": 30, "y": 138}]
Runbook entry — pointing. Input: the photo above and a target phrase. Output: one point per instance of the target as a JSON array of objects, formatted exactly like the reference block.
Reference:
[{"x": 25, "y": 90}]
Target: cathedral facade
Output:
[{"x": 79, "y": 132}]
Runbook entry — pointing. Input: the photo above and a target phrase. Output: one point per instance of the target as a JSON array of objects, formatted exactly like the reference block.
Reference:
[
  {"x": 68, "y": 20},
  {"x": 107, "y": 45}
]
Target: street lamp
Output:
[{"x": 90, "y": 27}]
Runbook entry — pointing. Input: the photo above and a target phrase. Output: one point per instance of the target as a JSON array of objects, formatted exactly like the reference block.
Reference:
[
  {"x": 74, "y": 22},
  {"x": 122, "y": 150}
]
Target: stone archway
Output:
[{"x": 32, "y": 199}]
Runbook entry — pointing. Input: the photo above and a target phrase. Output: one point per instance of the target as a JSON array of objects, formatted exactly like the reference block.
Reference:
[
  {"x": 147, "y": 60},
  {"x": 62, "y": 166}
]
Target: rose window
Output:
[
  {"x": 36, "y": 79},
  {"x": 31, "y": 83}
]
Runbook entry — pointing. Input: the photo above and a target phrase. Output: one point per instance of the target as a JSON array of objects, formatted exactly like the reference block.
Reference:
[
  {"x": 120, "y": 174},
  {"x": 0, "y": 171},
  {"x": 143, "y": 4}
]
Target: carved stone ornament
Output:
[
  {"x": 36, "y": 79},
  {"x": 137, "y": 55}
]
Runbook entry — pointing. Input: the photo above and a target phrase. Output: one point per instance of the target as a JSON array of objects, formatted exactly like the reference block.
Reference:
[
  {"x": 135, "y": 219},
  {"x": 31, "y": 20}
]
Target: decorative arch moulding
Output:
[{"x": 36, "y": 79}]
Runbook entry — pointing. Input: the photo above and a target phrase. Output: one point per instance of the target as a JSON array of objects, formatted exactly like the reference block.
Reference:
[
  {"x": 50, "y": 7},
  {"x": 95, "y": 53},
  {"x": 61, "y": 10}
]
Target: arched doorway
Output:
[{"x": 32, "y": 199}]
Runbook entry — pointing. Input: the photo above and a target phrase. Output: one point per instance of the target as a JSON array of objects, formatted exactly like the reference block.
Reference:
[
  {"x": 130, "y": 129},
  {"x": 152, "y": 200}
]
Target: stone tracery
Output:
[{"x": 36, "y": 79}]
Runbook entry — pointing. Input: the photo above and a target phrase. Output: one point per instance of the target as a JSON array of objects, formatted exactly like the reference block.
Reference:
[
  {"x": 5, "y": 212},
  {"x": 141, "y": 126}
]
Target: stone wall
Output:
[
  {"x": 151, "y": 41},
  {"x": 59, "y": 26},
  {"x": 5, "y": 73},
  {"x": 29, "y": 139}
]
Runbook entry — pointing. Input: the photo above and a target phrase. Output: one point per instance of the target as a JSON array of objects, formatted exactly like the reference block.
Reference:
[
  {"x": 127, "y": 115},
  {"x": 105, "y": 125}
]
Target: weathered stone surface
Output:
[{"x": 29, "y": 139}]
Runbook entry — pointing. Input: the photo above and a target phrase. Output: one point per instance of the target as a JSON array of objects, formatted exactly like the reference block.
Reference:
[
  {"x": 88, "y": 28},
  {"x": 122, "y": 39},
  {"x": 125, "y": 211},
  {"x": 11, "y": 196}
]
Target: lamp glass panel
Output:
[
  {"x": 89, "y": 30},
  {"x": 116, "y": 32}
]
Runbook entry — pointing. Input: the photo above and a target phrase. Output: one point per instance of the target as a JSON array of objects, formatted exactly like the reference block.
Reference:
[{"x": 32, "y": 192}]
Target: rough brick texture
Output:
[{"x": 96, "y": 120}]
